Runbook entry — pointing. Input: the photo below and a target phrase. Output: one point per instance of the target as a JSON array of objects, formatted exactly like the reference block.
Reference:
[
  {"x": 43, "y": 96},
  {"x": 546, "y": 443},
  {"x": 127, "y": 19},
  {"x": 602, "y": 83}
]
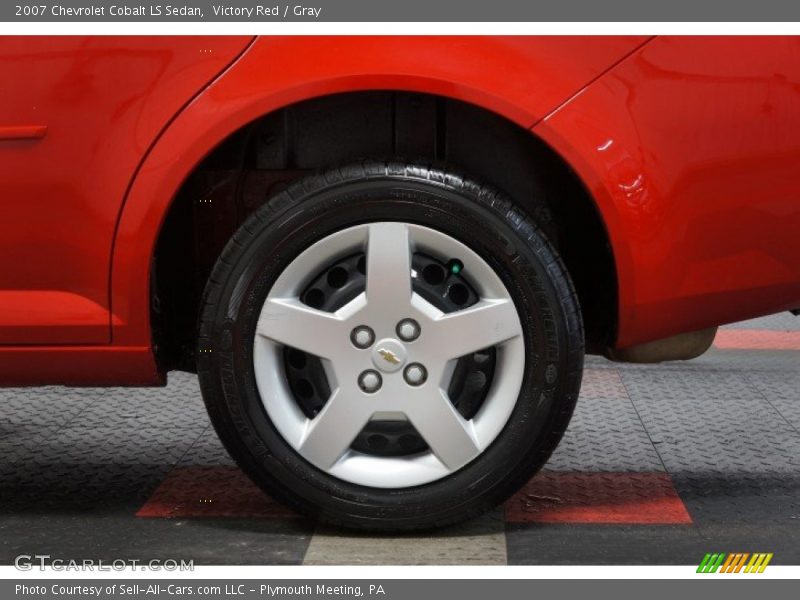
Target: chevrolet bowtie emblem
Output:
[{"x": 389, "y": 356}]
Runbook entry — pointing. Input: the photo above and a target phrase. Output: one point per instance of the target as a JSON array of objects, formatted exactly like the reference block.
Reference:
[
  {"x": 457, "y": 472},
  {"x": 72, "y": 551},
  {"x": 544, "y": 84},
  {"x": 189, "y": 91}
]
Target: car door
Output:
[{"x": 77, "y": 116}]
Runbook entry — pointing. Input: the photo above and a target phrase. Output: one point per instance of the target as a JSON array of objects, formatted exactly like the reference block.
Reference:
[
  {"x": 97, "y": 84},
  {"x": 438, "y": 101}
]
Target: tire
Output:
[{"x": 249, "y": 378}]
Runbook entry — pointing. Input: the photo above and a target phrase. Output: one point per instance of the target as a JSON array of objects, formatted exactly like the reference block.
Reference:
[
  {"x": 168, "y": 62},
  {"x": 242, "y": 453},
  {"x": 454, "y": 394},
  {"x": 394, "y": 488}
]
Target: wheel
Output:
[{"x": 390, "y": 346}]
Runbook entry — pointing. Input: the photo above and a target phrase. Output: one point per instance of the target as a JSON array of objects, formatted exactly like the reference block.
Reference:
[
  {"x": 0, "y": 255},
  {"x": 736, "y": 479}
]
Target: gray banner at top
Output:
[{"x": 398, "y": 10}]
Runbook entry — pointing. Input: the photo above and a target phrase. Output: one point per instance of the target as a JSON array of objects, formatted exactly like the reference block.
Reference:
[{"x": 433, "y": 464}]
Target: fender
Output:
[
  {"x": 690, "y": 150},
  {"x": 522, "y": 79}
]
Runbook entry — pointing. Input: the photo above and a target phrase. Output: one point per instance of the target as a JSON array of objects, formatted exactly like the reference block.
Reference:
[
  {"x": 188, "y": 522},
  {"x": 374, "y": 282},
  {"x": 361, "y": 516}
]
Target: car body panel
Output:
[
  {"x": 691, "y": 148},
  {"x": 694, "y": 188},
  {"x": 77, "y": 115},
  {"x": 493, "y": 72}
]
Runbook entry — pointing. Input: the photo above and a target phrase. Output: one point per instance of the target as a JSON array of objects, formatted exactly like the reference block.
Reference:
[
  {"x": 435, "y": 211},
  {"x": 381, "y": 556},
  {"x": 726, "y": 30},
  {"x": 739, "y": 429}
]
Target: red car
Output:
[{"x": 385, "y": 257}]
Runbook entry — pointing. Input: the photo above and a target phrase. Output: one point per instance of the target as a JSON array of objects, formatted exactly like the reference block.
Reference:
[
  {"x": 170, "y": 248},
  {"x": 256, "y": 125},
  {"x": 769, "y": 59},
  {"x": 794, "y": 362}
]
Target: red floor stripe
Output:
[
  {"x": 621, "y": 498},
  {"x": 218, "y": 491},
  {"x": 551, "y": 497},
  {"x": 757, "y": 339}
]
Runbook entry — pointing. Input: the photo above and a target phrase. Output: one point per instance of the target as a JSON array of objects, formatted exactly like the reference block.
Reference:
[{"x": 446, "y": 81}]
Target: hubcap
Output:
[{"x": 440, "y": 315}]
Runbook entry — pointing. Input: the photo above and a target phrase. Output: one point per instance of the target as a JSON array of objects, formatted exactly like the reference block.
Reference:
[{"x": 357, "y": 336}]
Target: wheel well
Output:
[{"x": 266, "y": 155}]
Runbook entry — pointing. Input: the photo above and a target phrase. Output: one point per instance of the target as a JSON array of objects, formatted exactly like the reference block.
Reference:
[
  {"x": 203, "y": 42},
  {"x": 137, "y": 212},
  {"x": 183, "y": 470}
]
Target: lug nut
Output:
[
  {"x": 415, "y": 374},
  {"x": 408, "y": 330},
  {"x": 370, "y": 381},
  {"x": 362, "y": 337}
]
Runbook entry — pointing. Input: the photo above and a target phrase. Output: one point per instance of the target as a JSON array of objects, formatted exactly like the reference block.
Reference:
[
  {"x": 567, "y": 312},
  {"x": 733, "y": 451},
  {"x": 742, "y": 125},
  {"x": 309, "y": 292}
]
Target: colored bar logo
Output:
[{"x": 734, "y": 563}]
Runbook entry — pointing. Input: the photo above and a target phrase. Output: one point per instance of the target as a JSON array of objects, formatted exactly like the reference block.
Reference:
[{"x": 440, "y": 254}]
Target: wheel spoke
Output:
[
  {"x": 448, "y": 434},
  {"x": 292, "y": 323},
  {"x": 331, "y": 432},
  {"x": 486, "y": 324},
  {"x": 389, "y": 267}
]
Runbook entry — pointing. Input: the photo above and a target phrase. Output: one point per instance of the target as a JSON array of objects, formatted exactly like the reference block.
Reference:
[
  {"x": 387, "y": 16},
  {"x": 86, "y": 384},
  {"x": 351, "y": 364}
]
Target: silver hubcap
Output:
[{"x": 405, "y": 374}]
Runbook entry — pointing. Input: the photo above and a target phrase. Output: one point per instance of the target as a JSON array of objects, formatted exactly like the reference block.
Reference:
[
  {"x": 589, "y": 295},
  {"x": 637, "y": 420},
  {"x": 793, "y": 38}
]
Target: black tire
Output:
[{"x": 480, "y": 217}]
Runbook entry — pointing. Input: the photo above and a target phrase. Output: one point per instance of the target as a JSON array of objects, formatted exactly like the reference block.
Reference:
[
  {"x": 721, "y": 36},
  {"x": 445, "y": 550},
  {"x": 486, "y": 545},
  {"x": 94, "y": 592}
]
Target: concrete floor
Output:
[{"x": 660, "y": 465}]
